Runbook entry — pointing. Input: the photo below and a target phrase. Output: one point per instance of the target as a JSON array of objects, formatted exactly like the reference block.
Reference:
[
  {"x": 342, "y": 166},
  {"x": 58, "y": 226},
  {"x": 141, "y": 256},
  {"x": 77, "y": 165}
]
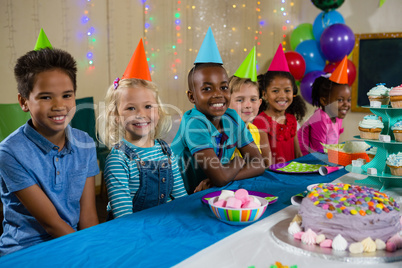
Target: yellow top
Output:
[{"x": 256, "y": 137}]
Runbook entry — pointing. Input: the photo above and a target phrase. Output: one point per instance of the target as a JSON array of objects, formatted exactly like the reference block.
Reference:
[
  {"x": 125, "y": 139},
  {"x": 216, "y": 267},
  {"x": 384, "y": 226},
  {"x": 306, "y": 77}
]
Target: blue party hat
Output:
[{"x": 208, "y": 52}]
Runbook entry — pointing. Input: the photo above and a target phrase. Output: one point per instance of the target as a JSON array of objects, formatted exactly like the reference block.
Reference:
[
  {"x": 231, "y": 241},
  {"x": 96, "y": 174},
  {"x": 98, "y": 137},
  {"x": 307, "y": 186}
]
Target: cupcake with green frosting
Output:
[
  {"x": 370, "y": 127},
  {"x": 379, "y": 93}
]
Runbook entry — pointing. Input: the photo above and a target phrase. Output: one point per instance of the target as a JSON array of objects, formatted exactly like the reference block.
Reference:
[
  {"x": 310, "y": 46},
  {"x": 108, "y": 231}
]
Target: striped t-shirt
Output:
[{"x": 122, "y": 177}]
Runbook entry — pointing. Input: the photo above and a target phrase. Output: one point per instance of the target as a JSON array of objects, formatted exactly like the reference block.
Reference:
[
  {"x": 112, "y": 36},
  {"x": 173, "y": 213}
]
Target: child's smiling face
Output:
[
  {"x": 139, "y": 111},
  {"x": 210, "y": 92},
  {"x": 246, "y": 102},
  {"x": 51, "y": 102},
  {"x": 339, "y": 102},
  {"x": 279, "y": 94}
]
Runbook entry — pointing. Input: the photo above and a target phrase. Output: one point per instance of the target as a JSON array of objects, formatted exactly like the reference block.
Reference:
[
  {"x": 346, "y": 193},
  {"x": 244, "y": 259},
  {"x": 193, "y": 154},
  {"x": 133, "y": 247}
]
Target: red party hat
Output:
[
  {"x": 279, "y": 62},
  {"x": 340, "y": 74},
  {"x": 138, "y": 65}
]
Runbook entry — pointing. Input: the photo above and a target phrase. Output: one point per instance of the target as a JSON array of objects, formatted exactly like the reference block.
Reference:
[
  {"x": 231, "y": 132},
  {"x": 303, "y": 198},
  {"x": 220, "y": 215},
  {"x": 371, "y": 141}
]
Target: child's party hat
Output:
[
  {"x": 138, "y": 65},
  {"x": 42, "y": 41},
  {"x": 279, "y": 62},
  {"x": 208, "y": 52},
  {"x": 340, "y": 74},
  {"x": 248, "y": 68}
]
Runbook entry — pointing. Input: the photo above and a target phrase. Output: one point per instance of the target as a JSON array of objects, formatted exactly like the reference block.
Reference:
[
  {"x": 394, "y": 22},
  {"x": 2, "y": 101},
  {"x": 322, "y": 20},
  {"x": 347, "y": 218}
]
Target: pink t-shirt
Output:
[{"x": 318, "y": 129}]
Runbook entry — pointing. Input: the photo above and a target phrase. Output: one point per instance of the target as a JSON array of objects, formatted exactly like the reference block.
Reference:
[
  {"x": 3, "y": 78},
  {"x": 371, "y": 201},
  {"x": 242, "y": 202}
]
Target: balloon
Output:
[
  {"x": 324, "y": 20},
  {"x": 306, "y": 85},
  {"x": 296, "y": 63},
  {"x": 330, "y": 67},
  {"x": 310, "y": 50},
  {"x": 326, "y": 5},
  {"x": 337, "y": 41},
  {"x": 302, "y": 32}
]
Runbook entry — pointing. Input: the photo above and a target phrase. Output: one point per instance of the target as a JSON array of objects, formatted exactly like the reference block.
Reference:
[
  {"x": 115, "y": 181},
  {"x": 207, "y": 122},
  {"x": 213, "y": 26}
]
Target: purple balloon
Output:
[
  {"x": 337, "y": 41},
  {"x": 306, "y": 84}
]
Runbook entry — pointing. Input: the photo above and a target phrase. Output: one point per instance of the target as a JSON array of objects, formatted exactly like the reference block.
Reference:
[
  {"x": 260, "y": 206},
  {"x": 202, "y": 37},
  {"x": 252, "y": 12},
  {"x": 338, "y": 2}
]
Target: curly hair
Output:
[
  {"x": 35, "y": 62},
  {"x": 297, "y": 107},
  {"x": 235, "y": 83},
  {"x": 110, "y": 130},
  {"x": 322, "y": 88}
]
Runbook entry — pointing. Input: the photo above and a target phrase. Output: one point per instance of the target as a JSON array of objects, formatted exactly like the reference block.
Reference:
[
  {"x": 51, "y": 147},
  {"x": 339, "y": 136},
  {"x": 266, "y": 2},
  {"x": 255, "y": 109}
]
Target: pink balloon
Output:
[{"x": 296, "y": 63}]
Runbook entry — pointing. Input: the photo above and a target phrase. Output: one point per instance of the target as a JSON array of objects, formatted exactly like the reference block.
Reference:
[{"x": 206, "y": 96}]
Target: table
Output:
[
  {"x": 255, "y": 245},
  {"x": 166, "y": 235}
]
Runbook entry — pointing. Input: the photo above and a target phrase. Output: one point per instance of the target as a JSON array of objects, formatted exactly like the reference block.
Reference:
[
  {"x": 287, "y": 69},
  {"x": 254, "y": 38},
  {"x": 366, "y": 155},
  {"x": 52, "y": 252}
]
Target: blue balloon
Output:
[
  {"x": 310, "y": 50},
  {"x": 324, "y": 20},
  {"x": 336, "y": 42}
]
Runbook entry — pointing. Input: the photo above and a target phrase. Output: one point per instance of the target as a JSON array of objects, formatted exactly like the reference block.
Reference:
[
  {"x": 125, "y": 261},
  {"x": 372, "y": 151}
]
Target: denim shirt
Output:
[{"x": 26, "y": 159}]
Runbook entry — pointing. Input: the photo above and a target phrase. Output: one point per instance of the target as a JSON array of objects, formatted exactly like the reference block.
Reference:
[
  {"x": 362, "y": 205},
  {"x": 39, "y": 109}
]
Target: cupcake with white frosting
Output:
[
  {"x": 379, "y": 93},
  {"x": 397, "y": 129},
  {"x": 370, "y": 127},
  {"x": 394, "y": 162}
]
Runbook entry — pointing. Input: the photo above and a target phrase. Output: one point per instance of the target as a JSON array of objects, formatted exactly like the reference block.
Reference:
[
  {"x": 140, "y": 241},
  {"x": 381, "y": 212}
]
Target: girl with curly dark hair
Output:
[{"x": 279, "y": 112}]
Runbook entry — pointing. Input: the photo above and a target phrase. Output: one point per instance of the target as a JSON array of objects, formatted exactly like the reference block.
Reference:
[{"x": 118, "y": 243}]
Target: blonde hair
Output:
[
  {"x": 110, "y": 130},
  {"x": 235, "y": 83}
]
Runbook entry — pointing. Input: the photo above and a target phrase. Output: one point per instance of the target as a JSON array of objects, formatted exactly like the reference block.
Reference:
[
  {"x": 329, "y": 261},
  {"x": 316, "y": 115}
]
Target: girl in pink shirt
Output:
[{"x": 325, "y": 125}]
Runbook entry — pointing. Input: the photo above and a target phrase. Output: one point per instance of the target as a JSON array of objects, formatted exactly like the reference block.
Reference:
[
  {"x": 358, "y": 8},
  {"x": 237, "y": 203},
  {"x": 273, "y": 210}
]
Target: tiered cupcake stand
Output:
[{"x": 383, "y": 179}]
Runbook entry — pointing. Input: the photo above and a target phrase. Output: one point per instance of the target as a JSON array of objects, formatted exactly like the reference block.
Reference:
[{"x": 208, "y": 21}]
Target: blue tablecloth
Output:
[{"x": 161, "y": 236}]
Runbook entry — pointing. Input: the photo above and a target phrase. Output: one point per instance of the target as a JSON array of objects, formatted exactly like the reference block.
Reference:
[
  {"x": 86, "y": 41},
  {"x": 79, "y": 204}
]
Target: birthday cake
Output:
[{"x": 344, "y": 216}]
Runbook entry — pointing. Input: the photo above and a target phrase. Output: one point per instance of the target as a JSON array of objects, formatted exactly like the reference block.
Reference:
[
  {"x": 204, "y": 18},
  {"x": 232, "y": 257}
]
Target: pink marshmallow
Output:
[
  {"x": 298, "y": 235},
  {"x": 394, "y": 243},
  {"x": 242, "y": 195},
  {"x": 327, "y": 243},
  {"x": 232, "y": 202},
  {"x": 220, "y": 203},
  {"x": 391, "y": 247},
  {"x": 250, "y": 204}
]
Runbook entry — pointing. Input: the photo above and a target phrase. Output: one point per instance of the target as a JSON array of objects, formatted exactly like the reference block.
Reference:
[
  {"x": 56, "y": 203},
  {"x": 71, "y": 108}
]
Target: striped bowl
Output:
[{"x": 238, "y": 216}]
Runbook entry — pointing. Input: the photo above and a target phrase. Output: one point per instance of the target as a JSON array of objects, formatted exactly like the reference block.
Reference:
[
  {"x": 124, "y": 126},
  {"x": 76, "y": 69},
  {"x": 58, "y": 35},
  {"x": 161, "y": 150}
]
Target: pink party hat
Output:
[{"x": 279, "y": 62}]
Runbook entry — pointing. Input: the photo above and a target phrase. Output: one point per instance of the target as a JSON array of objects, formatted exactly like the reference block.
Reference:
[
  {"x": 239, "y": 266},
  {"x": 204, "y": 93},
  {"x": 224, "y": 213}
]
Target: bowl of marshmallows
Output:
[{"x": 237, "y": 208}]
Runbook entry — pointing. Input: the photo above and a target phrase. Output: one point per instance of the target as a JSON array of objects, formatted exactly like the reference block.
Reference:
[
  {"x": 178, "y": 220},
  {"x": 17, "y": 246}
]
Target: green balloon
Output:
[
  {"x": 302, "y": 32},
  {"x": 326, "y": 5}
]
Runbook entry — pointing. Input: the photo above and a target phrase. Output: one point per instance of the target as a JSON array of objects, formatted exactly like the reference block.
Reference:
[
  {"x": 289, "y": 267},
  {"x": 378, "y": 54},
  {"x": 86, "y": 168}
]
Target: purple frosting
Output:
[{"x": 379, "y": 224}]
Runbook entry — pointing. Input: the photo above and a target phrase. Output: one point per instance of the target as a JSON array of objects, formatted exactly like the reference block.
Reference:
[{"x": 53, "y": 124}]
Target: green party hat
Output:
[
  {"x": 248, "y": 68},
  {"x": 42, "y": 41}
]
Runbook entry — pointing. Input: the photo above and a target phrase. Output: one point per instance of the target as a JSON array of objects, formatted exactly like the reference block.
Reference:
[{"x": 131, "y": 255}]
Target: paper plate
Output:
[
  {"x": 269, "y": 197},
  {"x": 276, "y": 167}
]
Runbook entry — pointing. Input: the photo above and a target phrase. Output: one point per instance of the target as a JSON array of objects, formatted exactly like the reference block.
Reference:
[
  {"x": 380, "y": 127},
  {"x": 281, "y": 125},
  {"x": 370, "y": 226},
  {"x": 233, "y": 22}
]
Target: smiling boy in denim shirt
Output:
[{"x": 47, "y": 168}]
